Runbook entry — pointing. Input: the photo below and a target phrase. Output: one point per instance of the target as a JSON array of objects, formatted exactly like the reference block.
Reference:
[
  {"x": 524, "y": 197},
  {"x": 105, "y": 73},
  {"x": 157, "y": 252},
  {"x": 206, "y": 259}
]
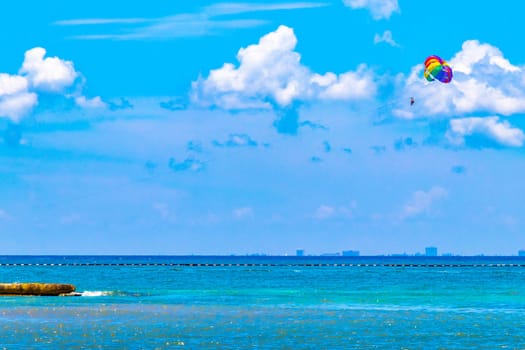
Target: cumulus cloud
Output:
[
  {"x": 386, "y": 37},
  {"x": 50, "y": 74},
  {"x": 488, "y": 129},
  {"x": 422, "y": 202},
  {"x": 270, "y": 72},
  {"x": 346, "y": 86},
  {"x": 19, "y": 93},
  {"x": 484, "y": 81},
  {"x": 15, "y": 99},
  {"x": 15, "y": 107},
  {"x": 380, "y": 9},
  {"x": 12, "y": 84}
]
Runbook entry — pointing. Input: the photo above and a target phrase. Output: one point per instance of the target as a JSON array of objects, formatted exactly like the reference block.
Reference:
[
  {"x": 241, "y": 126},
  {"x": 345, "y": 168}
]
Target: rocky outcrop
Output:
[{"x": 36, "y": 288}]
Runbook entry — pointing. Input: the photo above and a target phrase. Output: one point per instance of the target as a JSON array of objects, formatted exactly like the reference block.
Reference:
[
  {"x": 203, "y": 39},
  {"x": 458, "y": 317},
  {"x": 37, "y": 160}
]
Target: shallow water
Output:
[{"x": 268, "y": 303}]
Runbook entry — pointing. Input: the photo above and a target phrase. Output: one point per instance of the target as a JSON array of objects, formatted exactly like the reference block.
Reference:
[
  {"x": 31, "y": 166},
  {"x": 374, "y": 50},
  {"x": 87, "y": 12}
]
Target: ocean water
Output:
[{"x": 196, "y": 302}]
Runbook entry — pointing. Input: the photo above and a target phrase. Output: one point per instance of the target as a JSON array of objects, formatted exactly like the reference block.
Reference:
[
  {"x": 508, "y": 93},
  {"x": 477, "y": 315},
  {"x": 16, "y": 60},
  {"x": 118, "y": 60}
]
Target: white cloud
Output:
[
  {"x": 244, "y": 212},
  {"x": 271, "y": 71},
  {"x": 15, "y": 99},
  {"x": 17, "y": 106},
  {"x": 95, "y": 102},
  {"x": 491, "y": 127},
  {"x": 50, "y": 74},
  {"x": 98, "y": 21},
  {"x": 210, "y": 20},
  {"x": 421, "y": 202},
  {"x": 12, "y": 84},
  {"x": 235, "y": 8},
  {"x": 346, "y": 86},
  {"x": 39, "y": 74},
  {"x": 325, "y": 212},
  {"x": 378, "y": 8},
  {"x": 386, "y": 37},
  {"x": 484, "y": 81},
  {"x": 474, "y": 53}
]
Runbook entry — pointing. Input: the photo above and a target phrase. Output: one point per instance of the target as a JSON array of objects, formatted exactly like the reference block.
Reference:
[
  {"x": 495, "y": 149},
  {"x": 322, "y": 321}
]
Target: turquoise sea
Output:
[{"x": 267, "y": 302}]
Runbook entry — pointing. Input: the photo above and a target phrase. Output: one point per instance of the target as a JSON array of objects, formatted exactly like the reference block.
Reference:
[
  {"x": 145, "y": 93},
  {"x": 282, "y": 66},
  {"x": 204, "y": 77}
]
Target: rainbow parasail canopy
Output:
[{"x": 437, "y": 69}]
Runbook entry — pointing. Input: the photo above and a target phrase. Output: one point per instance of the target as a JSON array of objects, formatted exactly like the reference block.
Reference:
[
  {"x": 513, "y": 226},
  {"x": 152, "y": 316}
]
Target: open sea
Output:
[{"x": 266, "y": 302}]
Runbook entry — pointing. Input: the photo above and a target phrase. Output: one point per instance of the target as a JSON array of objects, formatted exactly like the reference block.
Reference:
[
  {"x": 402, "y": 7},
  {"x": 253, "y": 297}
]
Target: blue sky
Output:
[{"x": 240, "y": 127}]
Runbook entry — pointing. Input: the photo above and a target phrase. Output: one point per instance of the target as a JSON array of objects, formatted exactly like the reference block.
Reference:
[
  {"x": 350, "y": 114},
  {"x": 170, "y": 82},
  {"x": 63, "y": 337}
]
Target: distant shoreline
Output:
[
  {"x": 248, "y": 261},
  {"x": 262, "y": 256}
]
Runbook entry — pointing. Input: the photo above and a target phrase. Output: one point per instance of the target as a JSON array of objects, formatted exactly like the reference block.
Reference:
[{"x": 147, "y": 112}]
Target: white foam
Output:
[{"x": 95, "y": 293}]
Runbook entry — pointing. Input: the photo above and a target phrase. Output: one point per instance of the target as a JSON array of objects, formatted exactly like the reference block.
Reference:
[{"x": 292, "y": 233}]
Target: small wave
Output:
[
  {"x": 95, "y": 293},
  {"x": 418, "y": 308}
]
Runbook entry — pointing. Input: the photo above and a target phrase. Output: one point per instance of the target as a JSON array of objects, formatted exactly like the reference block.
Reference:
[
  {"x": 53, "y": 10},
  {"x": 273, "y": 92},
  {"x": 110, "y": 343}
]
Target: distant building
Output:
[
  {"x": 350, "y": 252},
  {"x": 521, "y": 253},
  {"x": 431, "y": 251},
  {"x": 299, "y": 252}
]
